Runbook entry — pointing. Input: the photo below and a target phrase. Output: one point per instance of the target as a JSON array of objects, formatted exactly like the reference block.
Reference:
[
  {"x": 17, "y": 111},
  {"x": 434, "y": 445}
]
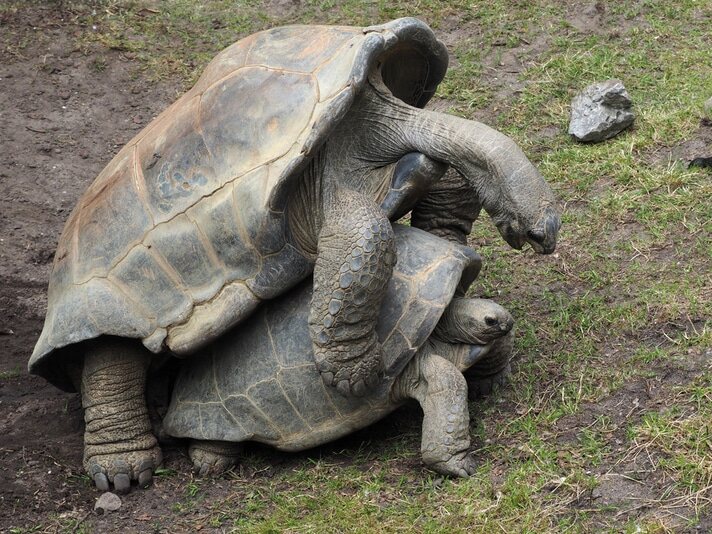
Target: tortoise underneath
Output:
[{"x": 259, "y": 382}]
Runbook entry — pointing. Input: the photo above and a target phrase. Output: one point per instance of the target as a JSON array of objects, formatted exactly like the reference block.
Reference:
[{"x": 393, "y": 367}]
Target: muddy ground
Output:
[{"x": 64, "y": 112}]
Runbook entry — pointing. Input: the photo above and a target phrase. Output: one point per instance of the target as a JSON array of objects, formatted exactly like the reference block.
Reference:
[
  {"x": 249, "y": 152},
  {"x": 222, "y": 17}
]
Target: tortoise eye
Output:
[{"x": 490, "y": 321}]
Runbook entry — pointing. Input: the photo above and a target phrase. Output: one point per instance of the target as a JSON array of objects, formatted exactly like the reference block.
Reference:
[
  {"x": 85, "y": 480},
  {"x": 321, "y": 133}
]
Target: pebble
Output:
[{"x": 108, "y": 502}]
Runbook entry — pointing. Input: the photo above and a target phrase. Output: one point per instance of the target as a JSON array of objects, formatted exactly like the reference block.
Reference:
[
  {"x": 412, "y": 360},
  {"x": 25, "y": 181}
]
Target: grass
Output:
[{"x": 612, "y": 371}]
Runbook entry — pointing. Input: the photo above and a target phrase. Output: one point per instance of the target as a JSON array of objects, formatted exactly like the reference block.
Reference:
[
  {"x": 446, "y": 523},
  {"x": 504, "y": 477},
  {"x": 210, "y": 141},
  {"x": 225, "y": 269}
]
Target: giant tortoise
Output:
[
  {"x": 272, "y": 166},
  {"x": 259, "y": 383}
]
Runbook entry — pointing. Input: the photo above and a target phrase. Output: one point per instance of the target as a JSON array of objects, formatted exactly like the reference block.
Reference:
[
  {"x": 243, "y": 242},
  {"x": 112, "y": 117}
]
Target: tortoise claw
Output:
[
  {"x": 360, "y": 388},
  {"x": 145, "y": 478},
  {"x": 122, "y": 483},
  {"x": 328, "y": 378},
  {"x": 101, "y": 482},
  {"x": 343, "y": 388}
]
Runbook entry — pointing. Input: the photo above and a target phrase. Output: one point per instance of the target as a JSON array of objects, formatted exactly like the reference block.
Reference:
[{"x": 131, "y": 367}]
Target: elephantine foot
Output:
[
  {"x": 211, "y": 458},
  {"x": 461, "y": 464},
  {"x": 121, "y": 468},
  {"x": 355, "y": 377}
]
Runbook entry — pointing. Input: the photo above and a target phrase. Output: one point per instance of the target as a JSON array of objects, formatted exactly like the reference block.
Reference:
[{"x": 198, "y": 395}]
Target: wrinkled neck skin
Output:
[{"x": 361, "y": 152}]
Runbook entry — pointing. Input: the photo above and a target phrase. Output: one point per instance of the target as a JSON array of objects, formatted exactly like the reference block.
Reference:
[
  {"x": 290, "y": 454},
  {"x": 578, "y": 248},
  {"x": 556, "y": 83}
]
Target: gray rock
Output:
[
  {"x": 600, "y": 112},
  {"x": 108, "y": 502}
]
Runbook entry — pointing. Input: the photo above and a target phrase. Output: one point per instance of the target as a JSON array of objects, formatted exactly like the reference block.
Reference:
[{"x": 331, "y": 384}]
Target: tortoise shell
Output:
[
  {"x": 182, "y": 235},
  {"x": 258, "y": 382}
]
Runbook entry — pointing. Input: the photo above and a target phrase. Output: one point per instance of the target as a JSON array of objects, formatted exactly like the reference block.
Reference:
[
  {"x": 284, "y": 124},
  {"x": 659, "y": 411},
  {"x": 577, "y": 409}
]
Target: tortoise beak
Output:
[{"x": 543, "y": 236}]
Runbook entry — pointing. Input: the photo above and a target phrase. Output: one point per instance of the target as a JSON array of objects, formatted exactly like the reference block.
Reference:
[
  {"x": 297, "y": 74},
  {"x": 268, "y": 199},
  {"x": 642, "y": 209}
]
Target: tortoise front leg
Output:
[
  {"x": 355, "y": 258},
  {"x": 118, "y": 443},
  {"x": 441, "y": 390}
]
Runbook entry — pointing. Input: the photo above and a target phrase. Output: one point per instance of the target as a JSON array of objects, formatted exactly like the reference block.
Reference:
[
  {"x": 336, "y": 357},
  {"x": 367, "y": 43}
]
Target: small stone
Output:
[
  {"x": 65, "y": 94},
  {"x": 108, "y": 502},
  {"x": 600, "y": 112}
]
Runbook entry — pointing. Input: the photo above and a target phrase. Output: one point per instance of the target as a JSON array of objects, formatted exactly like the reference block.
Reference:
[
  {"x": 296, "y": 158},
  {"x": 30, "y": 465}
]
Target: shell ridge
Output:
[
  {"x": 139, "y": 181},
  {"x": 124, "y": 291},
  {"x": 268, "y": 419},
  {"x": 210, "y": 252},
  {"x": 168, "y": 269}
]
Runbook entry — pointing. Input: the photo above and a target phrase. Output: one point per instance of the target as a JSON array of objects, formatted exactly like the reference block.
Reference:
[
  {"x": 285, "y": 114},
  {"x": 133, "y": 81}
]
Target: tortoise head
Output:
[
  {"x": 526, "y": 213},
  {"x": 473, "y": 322}
]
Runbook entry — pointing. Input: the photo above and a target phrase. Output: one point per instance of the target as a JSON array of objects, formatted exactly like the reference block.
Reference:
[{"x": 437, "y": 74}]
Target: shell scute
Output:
[
  {"x": 331, "y": 74},
  {"x": 253, "y": 420},
  {"x": 152, "y": 286},
  {"x": 214, "y": 416},
  {"x": 278, "y": 272},
  {"x": 180, "y": 244},
  {"x": 248, "y": 121},
  {"x": 306, "y": 392},
  {"x": 175, "y": 163},
  {"x": 270, "y": 399},
  {"x": 115, "y": 200},
  {"x": 224, "y": 64},
  {"x": 264, "y": 229},
  {"x": 230, "y": 306},
  {"x": 298, "y": 48},
  {"x": 218, "y": 221}
]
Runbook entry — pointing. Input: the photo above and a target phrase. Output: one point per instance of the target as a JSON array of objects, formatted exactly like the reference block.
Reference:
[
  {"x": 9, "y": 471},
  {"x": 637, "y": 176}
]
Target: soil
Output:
[{"x": 64, "y": 112}]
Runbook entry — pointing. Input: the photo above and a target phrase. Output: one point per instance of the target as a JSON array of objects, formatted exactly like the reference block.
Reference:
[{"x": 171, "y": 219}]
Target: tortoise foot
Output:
[
  {"x": 462, "y": 464},
  {"x": 121, "y": 468},
  {"x": 356, "y": 377},
  {"x": 211, "y": 458}
]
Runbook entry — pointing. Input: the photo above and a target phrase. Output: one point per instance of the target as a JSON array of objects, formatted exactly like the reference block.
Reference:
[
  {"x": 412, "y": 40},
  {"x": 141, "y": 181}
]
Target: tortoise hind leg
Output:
[
  {"x": 118, "y": 443},
  {"x": 210, "y": 458},
  {"x": 440, "y": 388},
  {"x": 355, "y": 258}
]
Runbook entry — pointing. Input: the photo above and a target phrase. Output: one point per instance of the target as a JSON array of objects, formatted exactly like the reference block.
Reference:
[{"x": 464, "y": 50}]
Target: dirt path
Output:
[{"x": 64, "y": 114}]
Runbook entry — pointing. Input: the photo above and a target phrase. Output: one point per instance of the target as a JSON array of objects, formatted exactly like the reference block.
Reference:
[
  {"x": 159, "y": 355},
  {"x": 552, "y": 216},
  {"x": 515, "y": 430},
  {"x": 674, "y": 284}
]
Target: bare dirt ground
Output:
[{"x": 64, "y": 112}]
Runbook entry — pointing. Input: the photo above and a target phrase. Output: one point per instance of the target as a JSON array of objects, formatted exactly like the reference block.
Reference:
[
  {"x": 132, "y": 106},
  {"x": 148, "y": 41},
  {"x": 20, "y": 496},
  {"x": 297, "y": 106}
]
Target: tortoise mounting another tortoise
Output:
[{"x": 274, "y": 164}]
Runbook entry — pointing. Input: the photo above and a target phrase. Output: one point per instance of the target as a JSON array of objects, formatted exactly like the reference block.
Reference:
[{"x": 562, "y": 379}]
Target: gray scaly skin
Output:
[
  {"x": 433, "y": 378},
  {"x": 118, "y": 443},
  {"x": 380, "y": 131}
]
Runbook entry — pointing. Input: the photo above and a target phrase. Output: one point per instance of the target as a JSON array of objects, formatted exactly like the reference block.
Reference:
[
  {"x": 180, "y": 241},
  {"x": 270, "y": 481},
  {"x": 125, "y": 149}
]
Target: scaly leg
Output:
[
  {"x": 118, "y": 443},
  {"x": 442, "y": 393},
  {"x": 355, "y": 258}
]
